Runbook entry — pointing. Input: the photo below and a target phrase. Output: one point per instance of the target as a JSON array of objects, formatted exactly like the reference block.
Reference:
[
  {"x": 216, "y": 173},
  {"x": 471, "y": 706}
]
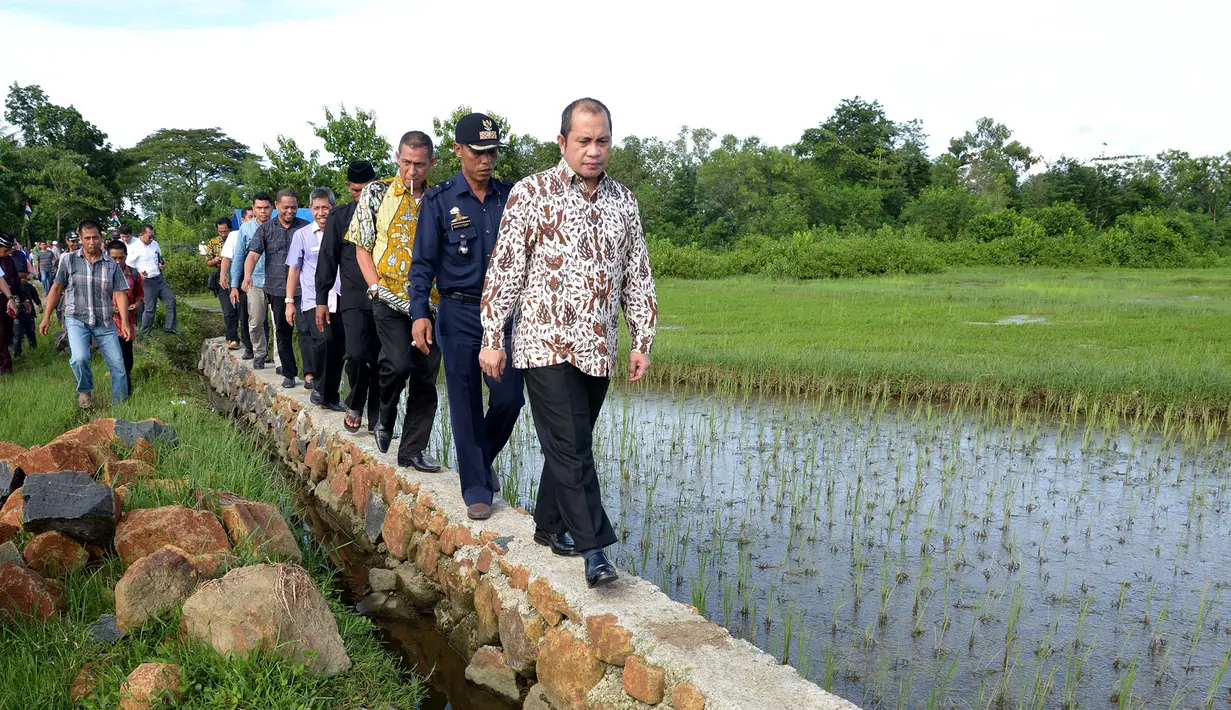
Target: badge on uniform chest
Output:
[{"x": 460, "y": 221}]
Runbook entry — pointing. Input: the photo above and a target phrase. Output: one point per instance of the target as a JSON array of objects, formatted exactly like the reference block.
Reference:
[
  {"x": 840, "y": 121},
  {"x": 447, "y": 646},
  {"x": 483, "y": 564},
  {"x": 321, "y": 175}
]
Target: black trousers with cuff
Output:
[
  {"x": 403, "y": 367},
  {"x": 565, "y": 403},
  {"x": 362, "y": 362}
]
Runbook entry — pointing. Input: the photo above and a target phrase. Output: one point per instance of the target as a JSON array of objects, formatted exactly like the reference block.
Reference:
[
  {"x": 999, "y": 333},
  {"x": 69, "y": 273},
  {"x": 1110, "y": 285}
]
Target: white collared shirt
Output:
[{"x": 145, "y": 258}]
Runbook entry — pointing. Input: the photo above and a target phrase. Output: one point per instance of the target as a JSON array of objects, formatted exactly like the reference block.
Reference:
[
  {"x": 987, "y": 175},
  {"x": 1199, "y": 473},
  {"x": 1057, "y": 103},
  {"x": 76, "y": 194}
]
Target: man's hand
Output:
[
  {"x": 29, "y": 306},
  {"x": 322, "y": 317},
  {"x": 44, "y": 323},
  {"x": 235, "y": 297},
  {"x": 492, "y": 362},
  {"x": 290, "y": 314},
  {"x": 638, "y": 365},
  {"x": 224, "y": 281},
  {"x": 11, "y": 309},
  {"x": 247, "y": 285},
  {"x": 421, "y": 333},
  {"x": 125, "y": 331}
]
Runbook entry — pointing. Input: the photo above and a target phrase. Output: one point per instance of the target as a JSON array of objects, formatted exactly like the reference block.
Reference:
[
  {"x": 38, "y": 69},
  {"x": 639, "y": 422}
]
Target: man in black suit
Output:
[{"x": 354, "y": 306}]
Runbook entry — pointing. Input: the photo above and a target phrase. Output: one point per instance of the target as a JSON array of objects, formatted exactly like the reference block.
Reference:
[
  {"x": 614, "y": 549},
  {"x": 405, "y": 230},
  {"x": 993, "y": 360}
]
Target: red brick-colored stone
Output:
[
  {"x": 119, "y": 473},
  {"x": 549, "y": 602},
  {"x": 360, "y": 484},
  {"x": 143, "y": 450},
  {"x": 459, "y": 584},
  {"x": 488, "y": 669},
  {"x": 339, "y": 483},
  {"x": 391, "y": 484},
  {"x": 154, "y": 584},
  {"x": 24, "y": 593},
  {"x": 613, "y": 643},
  {"x": 485, "y": 608},
  {"x": 396, "y": 530},
  {"x": 428, "y": 555},
  {"x": 57, "y": 456},
  {"x": 519, "y": 577},
  {"x": 83, "y": 685},
  {"x": 260, "y": 525},
  {"x": 438, "y": 524},
  {"x": 141, "y": 532},
  {"x": 150, "y": 685},
  {"x": 316, "y": 460},
  {"x": 421, "y": 515},
  {"x": 521, "y": 634},
  {"x": 687, "y": 697},
  {"x": 54, "y": 554},
  {"x": 484, "y": 563},
  {"x": 10, "y": 453},
  {"x": 10, "y": 516},
  {"x": 643, "y": 681},
  {"x": 568, "y": 669}
]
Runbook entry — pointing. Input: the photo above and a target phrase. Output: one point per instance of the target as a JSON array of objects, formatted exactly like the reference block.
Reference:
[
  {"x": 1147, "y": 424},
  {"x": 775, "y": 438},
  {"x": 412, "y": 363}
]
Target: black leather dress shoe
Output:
[
  {"x": 560, "y": 543},
  {"x": 599, "y": 570},
  {"x": 288, "y": 382},
  {"x": 383, "y": 439},
  {"x": 420, "y": 461},
  {"x": 335, "y": 407},
  {"x": 258, "y": 363},
  {"x": 316, "y": 398},
  {"x": 247, "y": 354}
]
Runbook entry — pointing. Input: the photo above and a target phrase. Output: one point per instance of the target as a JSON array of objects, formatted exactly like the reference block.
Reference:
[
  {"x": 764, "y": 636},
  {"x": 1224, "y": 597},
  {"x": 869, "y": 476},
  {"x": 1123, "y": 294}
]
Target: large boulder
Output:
[
  {"x": 149, "y": 429},
  {"x": 273, "y": 607},
  {"x": 261, "y": 526},
  {"x": 54, "y": 554},
  {"x": 150, "y": 685},
  {"x": 24, "y": 594},
  {"x": 153, "y": 584},
  {"x": 72, "y": 503},
  {"x": 96, "y": 438},
  {"x": 57, "y": 456},
  {"x": 142, "y": 532}
]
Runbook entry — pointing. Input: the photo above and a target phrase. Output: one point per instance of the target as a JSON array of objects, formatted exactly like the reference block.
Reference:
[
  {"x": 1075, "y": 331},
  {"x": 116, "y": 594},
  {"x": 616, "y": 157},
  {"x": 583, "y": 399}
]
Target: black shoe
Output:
[
  {"x": 560, "y": 543},
  {"x": 335, "y": 407},
  {"x": 420, "y": 461},
  {"x": 383, "y": 439},
  {"x": 599, "y": 571},
  {"x": 247, "y": 354},
  {"x": 316, "y": 398},
  {"x": 288, "y": 382},
  {"x": 258, "y": 363},
  {"x": 310, "y": 385},
  {"x": 172, "y": 331},
  {"x": 278, "y": 370}
]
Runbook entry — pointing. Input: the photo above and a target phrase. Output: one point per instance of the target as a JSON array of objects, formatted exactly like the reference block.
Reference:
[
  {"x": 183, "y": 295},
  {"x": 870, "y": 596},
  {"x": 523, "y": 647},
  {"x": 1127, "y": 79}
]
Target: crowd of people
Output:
[{"x": 513, "y": 287}]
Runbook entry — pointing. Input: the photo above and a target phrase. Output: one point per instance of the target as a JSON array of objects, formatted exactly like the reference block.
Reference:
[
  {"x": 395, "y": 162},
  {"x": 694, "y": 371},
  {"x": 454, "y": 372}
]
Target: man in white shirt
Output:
[
  {"x": 322, "y": 349},
  {"x": 224, "y": 279},
  {"x": 145, "y": 255}
]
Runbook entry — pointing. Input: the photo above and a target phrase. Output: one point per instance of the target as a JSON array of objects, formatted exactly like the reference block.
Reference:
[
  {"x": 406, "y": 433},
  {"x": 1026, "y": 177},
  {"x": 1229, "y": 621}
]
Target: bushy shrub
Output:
[
  {"x": 990, "y": 226},
  {"x": 1061, "y": 218},
  {"x": 1144, "y": 240},
  {"x": 186, "y": 270},
  {"x": 941, "y": 212}
]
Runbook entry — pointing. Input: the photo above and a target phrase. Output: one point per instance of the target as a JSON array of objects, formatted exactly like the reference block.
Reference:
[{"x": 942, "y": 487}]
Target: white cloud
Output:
[{"x": 1065, "y": 76}]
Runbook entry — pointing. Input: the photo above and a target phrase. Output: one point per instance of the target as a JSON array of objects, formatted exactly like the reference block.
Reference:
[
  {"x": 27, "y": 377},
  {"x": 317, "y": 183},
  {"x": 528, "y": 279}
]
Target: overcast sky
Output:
[{"x": 1066, "y": 77}]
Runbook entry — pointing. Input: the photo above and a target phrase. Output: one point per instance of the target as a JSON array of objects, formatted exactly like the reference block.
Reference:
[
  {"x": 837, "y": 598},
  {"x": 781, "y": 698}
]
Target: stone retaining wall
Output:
[{"x": 524, "y": 617}]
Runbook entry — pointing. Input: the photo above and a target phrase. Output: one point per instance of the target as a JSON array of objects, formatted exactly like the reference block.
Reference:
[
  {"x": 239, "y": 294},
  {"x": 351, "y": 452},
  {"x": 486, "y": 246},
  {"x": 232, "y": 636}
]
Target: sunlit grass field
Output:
[{"x": 1138, "y": 342}]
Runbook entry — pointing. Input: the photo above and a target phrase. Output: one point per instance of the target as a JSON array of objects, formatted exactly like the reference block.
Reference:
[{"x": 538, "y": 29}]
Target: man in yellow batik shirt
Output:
[{"x": 383, "y": 232}]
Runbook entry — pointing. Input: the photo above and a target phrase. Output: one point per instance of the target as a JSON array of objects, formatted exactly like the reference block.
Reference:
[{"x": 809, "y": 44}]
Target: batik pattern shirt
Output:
[
  {"x": 569, "y": 259},
  {"x": 213, "y": 248},
  {"x": 386, "y": 216}
]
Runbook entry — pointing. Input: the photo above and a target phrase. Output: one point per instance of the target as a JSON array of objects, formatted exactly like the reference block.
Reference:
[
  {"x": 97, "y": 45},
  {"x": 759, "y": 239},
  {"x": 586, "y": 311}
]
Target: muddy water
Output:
[{"x": 908, "y": 558}]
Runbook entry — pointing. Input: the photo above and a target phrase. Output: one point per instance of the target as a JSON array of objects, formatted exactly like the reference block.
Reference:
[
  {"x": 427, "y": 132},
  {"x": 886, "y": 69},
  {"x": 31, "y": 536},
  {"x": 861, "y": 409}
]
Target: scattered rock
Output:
[
  {"x": 83, "y": 685},
  {"x": 10, "y": 479},
  {"x": 24, "y": 593},
  {"x": 521, "y": 634},
  {"x": 643, "y": 681},
  {"x": 262, "y": 526},
  {"x": 196, "y": 532},
  {"x": 143, "y": 451},
  {"x": 612, "y": 642},
  {"x": 148, "y": 429},
  {"x": 10, "y": 553},
  {"x": 10, "y": 452},
  {"x": 150, "y": 685},
  {"x": 687, "y": 697},
  {"x": 382, "y": 580},
  {"x": 415, "y": 586},
  {"x": 56, "y": 457},
  {"x": 96, "y": 438},
  {"x": 72, "y": 503},
  {"x": 374, "y": 517},
  {"x": 567, "y": 668},
  {"x": 105, "y": 631},
  {"x": 487, "y": 669},
  {"x": 536, "y": 699},
  {"x": 385, "y": 606},
  {"x": 153, "y": 584},
  {"x": 54, "y": 554},
  {"x": 275, "y": 607},
  {"x": 396, "y": 529},
  {"x": 119, "y": 473}
]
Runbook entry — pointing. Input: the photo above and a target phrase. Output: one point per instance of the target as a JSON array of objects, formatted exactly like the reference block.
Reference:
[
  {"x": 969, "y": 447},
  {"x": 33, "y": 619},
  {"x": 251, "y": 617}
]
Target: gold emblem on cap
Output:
[
  {"x": 490, "y": 133},
  {"x": 487, "y": 124}
]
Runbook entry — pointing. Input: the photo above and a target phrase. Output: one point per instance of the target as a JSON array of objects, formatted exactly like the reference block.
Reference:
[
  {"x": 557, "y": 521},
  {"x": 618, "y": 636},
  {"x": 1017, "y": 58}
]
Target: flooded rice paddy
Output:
[{"x": 929, "y": 557}]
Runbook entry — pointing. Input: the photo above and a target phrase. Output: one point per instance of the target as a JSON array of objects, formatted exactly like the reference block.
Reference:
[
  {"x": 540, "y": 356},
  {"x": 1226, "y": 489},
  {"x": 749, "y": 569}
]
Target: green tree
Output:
[
  {"x": 45, "y": 124},
  {"x": 290, "y": 167},
  {"x": 524, "y": 156},
  {"x": 349, "y": 137},
  {"x": 174, "y": 169},
  {"x": 64, "y": 191},
  {"x": 989, "y": 163}
]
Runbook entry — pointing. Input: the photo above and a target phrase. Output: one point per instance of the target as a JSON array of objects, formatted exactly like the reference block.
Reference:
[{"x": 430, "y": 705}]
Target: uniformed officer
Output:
[{"x": 454, "y": 240}]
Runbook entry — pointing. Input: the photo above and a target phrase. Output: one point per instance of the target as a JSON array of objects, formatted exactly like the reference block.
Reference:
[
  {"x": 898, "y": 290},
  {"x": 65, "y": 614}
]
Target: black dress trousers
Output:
[
  {"x": 403, "y": 367},
  {"x": 362, "y": 362},
  {"x": 284, "y": 334},
  {"x": 565, "y": 403}
]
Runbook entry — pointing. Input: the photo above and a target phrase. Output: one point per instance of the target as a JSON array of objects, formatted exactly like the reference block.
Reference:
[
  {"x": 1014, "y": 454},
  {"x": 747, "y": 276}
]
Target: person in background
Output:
[
  {"x": 145, "y": 255},
  {"x": 118, "y": 252},
  {"x": 458, "y": 224},
  {"x": 337, "y": 257},
  {"x": 11, "y": 304},
  {"x": 383, "y": 232},
  {"x": 93, "y": 288},
  {"x": 273, "y": 240},
  {"x": 251, "y": 282},
  {"x": 569, "y": 288},
  {"x": 322, "y": 350},
  {"x": 23, "y": 326},
  {"x": 46, "y": 263},
  {"x": 21, "y": 258},
  {"x": 213, "y": 259},
  {"x": 126, "y": 234},
  {"x": 239, "y": 305}
]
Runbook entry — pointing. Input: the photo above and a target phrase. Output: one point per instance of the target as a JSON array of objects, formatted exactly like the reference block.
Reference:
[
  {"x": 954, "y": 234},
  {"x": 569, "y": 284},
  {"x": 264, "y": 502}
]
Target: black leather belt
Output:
[{"x": 463, "y": 297}]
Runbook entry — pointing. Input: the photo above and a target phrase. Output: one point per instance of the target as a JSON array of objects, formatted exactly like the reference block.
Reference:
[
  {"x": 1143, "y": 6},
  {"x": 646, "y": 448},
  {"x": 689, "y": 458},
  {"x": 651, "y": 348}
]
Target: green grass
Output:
[
  {"x": 40, "y": 660},
  {"x": 1138, "y": 341}
]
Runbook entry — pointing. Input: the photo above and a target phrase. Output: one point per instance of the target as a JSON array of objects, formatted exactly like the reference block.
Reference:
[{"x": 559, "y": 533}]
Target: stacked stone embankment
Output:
[
  {"x": 63, "y": 510},
  {"x": 524, "y": 618}
]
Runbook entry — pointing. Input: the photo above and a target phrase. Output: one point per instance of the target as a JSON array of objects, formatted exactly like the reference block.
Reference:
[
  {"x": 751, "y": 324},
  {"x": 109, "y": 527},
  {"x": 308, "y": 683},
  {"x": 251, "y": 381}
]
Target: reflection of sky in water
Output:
[{"x": 722, "y": 479}]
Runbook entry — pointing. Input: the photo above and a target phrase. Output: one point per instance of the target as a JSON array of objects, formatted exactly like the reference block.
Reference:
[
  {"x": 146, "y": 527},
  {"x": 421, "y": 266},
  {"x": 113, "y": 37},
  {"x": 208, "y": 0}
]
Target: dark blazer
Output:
[{"x": 337, "y": 253}]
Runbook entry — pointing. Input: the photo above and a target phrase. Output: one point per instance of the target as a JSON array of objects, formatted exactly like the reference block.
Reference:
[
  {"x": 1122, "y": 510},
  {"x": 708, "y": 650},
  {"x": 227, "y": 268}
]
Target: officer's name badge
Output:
[{"x": 459, "y": 221}]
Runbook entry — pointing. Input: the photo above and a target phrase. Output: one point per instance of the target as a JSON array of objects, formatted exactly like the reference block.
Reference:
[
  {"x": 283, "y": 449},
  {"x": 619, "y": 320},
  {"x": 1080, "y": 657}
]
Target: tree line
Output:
[{"x": 854, "y": 187}]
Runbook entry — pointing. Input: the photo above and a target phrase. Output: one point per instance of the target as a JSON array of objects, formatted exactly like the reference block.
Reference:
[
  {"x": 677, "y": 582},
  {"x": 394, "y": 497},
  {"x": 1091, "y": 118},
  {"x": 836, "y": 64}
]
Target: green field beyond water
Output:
[{"x": 1132, "y": 341}]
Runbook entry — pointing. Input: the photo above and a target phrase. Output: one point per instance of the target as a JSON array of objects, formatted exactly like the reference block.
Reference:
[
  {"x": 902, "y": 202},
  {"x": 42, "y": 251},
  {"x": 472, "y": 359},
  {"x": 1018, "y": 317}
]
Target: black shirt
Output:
[{"x": 337, "y": 252}]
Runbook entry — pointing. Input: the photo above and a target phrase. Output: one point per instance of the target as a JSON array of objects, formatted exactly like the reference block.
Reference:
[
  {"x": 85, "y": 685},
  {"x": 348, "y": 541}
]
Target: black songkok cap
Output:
[{"x": 360, "y": 171}]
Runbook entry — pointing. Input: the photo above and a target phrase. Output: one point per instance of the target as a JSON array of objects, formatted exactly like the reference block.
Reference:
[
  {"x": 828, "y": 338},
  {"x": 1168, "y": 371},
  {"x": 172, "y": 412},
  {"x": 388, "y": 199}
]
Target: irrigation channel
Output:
[{"x": 920, "y": 556}]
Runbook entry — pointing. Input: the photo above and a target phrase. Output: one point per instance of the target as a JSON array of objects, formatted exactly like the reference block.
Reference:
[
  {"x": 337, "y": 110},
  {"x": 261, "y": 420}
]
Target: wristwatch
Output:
[
  {"x": 290, "y": 300},
  {"x": 373, "y": 290}
]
